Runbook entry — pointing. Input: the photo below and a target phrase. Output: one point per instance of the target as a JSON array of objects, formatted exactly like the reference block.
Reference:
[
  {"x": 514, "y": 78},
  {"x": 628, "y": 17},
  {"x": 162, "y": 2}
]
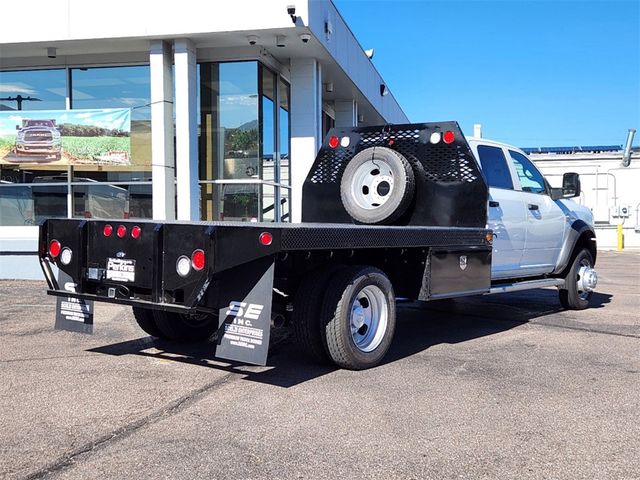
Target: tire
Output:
[
  {"x": 187, "y": 328},
  {"x": 377, "y": 186},
  {"x": 359, "y": 317},
  {"x": 146, "y": 321},
  {"x": 307, "y": 327},
  {"x": 573, "y": 296}
]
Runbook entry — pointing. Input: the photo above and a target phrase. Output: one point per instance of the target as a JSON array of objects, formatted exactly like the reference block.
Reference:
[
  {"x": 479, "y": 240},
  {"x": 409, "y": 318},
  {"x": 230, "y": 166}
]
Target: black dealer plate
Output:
[{"x": 121, "y": 269}]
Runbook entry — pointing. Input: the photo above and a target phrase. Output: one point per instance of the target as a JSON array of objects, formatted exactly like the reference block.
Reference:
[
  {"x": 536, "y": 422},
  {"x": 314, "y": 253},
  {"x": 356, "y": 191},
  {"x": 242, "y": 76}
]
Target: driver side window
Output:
[{"x": 531, "y": 180}]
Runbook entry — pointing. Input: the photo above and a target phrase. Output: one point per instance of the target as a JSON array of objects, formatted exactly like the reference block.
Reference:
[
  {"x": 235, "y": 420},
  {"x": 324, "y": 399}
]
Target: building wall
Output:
[
  {"x": 128, "y": 34},
  {"x": 606, "y": 187},
  {"x": 80, "y": 19}
]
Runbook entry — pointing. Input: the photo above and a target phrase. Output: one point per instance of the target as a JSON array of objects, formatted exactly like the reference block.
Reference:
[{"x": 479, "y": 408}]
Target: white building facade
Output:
[
  {"x": 610, "y": 189},
  {"x": 228, "y": 103}
]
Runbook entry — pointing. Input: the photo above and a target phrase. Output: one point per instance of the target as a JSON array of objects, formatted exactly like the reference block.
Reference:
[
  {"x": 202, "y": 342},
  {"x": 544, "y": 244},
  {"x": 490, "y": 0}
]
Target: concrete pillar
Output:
[
  {"x": 162, "y": 154},
  {"x": 306, "y": 125},
  {"x": 346, "y": 113},
  {"x": 186, "y": 130}
]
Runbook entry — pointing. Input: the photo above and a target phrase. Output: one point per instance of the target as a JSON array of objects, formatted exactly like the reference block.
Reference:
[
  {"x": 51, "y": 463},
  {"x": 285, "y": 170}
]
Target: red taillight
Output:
[
  {"x": 54, "y": 248},
  {"x": 107, "y": 230},
  {"x": 448, "y": 137},
  {"x": 265, "y": 238},
  {"x": 198, "y": 259},
  {"x": 136, "y": 231},
  {"x": 334, "y": 141},
  {"x": 122, "y": 231}
]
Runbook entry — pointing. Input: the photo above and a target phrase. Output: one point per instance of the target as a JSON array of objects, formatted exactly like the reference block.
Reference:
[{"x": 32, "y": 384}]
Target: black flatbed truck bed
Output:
[
  {"x": 232, "y": 244},
  {"x": 175, "y": 274}
]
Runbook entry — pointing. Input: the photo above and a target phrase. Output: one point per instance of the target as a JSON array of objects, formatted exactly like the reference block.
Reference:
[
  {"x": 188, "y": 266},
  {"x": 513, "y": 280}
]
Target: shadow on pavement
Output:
[{"x": 420, "y": 326}]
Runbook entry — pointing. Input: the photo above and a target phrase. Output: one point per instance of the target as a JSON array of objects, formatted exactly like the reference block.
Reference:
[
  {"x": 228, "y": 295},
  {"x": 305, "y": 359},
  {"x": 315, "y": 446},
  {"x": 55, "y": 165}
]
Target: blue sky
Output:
[{"x": 533, "y": 73}]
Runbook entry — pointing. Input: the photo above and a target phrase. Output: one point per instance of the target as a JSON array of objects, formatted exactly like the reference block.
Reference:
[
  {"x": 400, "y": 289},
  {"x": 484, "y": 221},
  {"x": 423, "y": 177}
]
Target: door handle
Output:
[
  {"x": 493, "y": 203},
  {"x": 532, "y": 206}
]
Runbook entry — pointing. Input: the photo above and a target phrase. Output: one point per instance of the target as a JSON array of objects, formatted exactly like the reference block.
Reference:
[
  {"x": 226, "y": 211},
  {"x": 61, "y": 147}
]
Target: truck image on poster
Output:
[
  {"x": 39, "y": 138},
  {"x": 66, "y": 137}
]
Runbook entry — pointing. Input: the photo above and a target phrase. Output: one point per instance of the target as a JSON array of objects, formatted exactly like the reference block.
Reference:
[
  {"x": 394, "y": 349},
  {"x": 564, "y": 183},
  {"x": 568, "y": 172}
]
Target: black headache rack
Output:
[
  {"x": 450, "y": 189},
  {"x": 421, "y": 251}
]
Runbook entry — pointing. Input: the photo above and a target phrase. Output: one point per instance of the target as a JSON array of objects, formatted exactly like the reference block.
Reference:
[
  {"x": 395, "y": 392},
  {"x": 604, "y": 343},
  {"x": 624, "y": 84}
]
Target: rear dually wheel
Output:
[{"x": 359, "y": 317}]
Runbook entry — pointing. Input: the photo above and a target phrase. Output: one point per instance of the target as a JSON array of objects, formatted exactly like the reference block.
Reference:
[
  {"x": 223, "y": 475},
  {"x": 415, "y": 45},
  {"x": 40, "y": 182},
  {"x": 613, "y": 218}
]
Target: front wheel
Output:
[
  {"x": 579, "y": 282},
  {"x": 359, "y": 317}
]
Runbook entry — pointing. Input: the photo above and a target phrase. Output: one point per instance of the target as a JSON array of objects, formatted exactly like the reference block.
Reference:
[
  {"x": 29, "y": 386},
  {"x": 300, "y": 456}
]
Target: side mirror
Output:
[
  {"x": 17, "y": 127},
  {"x": 570, "y": 185}
]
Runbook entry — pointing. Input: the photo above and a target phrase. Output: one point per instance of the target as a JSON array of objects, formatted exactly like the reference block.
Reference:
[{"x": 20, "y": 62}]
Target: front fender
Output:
[{"x": 580, "y": 232}]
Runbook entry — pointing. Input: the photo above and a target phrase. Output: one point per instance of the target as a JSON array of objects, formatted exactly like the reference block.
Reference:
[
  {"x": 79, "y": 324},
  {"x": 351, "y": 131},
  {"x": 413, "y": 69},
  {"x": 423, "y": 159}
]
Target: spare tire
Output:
[{"x": 377, "y": 186}]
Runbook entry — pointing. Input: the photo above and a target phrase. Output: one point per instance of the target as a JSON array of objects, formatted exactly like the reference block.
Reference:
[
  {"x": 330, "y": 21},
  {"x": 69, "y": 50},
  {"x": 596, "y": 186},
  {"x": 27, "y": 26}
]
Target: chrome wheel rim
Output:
[
  {"x": 369, "y": 318},
  {"x": 372, "y": 184},
  {"x": 586, "y": 280}
]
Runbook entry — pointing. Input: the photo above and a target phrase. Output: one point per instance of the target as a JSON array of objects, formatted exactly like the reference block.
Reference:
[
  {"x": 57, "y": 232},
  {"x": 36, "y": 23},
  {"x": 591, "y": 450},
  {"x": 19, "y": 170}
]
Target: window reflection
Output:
[
  {"x": 118, "y": 87},
  {"x": 33, "y": 90},
  {"x": 244, "y": 142},
  {"x": 284, "y": 144},
  {"x": 270, "y": 171},
  {"x": 268, "y": 125},
  {"x": 229, "y": 137},
  {"x": 112, "y": 201},
  {"x": 29, "y": 196},
  {"x": 26, "y": 194},
  {"x": 240, "y": 202}
]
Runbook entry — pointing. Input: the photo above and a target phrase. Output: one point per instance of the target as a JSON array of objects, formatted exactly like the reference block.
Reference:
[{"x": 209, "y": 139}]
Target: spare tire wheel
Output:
[{"x": 377, "y": 186}]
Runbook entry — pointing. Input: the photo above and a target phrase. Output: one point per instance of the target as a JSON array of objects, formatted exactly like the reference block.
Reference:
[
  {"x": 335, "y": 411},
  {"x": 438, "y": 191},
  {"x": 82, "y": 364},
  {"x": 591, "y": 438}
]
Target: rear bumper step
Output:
[{"x": 169, "y": 307}]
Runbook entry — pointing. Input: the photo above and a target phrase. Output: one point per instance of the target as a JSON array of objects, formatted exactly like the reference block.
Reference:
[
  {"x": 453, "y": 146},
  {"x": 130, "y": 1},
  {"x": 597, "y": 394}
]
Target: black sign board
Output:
[
  {"x": 245, "y": 321},
  {"x": 73, "y": 314}
]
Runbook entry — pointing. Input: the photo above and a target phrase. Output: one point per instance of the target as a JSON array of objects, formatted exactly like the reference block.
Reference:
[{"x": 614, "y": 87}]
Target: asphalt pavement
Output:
[{"x": 500, "y": 387}]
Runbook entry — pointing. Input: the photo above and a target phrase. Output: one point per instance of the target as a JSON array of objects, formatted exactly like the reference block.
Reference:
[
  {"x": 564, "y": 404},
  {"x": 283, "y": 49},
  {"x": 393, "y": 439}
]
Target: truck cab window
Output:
[
  {"x": 494, "y": 166},
  {"x": 531, "y": 180}
]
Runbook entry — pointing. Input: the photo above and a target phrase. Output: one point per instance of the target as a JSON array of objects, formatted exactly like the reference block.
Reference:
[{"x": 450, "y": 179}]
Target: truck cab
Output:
[{"x": 536, "y": 227}]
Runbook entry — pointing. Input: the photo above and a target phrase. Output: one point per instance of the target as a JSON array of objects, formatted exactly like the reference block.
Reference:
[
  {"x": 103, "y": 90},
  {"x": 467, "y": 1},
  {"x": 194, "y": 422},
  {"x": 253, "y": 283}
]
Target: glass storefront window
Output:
[
  {"x": 270, "y": 170},
  {"x": 35, "y": 198},
  {"x": 243, "y": 142},
  {"x": 117, "y": 87},
  {"x": 32, "y": 188},
  {"x": 112, "y": 201},
  {"x": 33, "y": 90},
  {"x": 39, "y": 168},
  {"x": 284, "y": 144},
  {"x": 229, "y": 146}
]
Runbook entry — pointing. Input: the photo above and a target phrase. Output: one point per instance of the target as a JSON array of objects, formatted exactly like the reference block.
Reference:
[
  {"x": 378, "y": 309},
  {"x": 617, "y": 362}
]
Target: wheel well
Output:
[{"x": 586, "y": 240}]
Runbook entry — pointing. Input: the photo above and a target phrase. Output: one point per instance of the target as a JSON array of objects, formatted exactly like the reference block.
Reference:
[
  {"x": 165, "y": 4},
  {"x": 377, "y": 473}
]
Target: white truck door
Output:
[
  {"x": 545, "y": 219},
  {"x": 507, "y": 216}
]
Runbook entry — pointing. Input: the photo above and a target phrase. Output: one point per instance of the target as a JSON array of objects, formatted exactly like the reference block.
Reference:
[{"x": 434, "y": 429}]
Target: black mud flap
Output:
[
  {"x": 73, "y": 314},
  {"x": 245, "y": 321}
]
